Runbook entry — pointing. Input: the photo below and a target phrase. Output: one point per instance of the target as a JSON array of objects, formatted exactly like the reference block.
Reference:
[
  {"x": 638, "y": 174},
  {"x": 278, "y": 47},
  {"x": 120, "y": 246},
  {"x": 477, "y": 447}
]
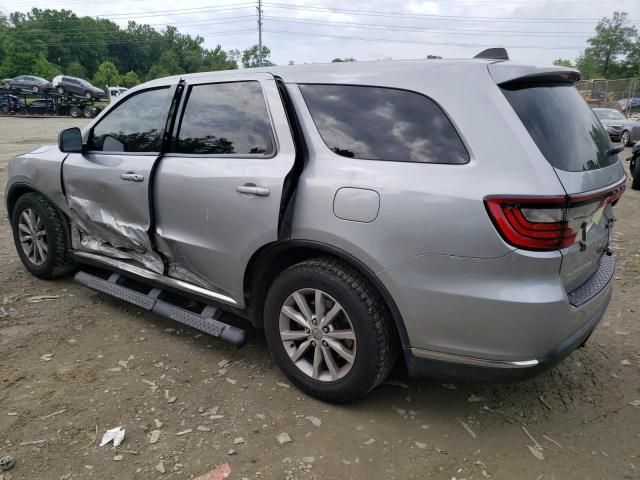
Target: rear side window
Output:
[
  {"x": 226, "y": 118},
  {"x": 376, "y": 123},
  {"x": 135, "y": 125},
  {"x": 561, "y": 123}
]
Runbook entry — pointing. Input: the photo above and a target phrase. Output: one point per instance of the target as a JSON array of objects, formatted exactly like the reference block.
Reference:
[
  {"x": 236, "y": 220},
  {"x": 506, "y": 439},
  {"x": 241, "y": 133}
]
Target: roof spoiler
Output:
[{"x": 494, "y": 54}]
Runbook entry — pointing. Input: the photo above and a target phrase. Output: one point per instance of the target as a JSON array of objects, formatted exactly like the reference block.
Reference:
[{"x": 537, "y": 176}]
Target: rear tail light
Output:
[{"x": 547, "y": 223}]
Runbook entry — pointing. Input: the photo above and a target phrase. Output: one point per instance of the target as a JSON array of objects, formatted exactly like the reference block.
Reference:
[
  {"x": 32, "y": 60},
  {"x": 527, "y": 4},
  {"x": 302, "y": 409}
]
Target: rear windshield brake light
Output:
[{"x": 546, "y": 223}]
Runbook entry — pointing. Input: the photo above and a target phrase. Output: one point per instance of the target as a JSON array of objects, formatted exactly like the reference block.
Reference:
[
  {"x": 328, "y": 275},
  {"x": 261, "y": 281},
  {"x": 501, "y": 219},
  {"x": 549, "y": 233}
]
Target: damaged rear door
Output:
[{"x": 108, "y": 186}]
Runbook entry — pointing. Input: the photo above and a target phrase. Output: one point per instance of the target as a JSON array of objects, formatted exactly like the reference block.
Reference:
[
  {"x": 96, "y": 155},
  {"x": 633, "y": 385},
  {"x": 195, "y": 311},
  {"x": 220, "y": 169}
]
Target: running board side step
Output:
[{"x": 206, "y": 321}]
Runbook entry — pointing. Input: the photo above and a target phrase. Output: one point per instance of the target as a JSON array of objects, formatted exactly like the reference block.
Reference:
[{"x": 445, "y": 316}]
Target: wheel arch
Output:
[
  {"x": 267, "y": 263},
  {"x": 19, "y": 189}
]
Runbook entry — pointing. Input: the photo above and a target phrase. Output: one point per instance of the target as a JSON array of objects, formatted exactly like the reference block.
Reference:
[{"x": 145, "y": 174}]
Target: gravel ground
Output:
[{"x": 78, "y": 364}]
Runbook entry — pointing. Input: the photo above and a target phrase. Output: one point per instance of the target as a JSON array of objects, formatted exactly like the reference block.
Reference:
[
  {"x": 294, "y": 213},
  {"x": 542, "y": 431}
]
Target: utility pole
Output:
[{"x": 260, "y": 33}]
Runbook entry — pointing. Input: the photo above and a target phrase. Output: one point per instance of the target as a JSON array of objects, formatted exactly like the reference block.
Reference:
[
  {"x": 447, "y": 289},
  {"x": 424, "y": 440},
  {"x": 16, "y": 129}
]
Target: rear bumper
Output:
[
  {"x": 502, "y": 318},
  {"x": 422, "y": 363}
]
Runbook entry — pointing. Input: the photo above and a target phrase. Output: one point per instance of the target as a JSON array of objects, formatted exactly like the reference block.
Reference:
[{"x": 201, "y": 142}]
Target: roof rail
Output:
[{"x": 494, "y": 54}]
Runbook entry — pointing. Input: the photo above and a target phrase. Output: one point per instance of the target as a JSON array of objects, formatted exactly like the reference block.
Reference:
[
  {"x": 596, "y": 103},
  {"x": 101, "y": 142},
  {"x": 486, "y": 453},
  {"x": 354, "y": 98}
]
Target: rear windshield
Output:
[{"x": 561, "y": 123}]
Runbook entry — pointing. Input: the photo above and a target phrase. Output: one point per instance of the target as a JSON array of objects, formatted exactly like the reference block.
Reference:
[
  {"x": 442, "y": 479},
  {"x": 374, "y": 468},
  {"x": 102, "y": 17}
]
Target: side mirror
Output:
[{"x": 70, "y": 140}]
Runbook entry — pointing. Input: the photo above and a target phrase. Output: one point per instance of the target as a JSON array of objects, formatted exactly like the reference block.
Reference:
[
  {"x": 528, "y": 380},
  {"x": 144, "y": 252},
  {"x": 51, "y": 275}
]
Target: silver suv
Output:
[{"x": 456, "y": 214}]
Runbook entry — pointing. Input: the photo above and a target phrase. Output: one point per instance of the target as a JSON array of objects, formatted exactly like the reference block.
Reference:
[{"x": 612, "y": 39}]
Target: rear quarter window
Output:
[
  {"x": 562, "y": 125},
  {"x": 378, "y": 123}
]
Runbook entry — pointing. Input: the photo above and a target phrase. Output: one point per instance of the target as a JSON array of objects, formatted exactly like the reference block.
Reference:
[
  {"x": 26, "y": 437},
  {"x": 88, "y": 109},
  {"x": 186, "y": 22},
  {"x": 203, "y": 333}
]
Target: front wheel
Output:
[
  {"x": 41, "y": 237},
  {"x": 7, "y": 86},
  {"x": 60, "y": 90},
  {"x": 328, "y": 330},
  {"x": 88, "y": 95},
  {"x": 35, "y": 89}
]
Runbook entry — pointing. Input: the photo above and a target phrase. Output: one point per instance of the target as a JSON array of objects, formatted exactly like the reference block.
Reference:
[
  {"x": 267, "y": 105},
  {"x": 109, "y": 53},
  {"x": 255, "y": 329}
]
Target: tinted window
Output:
[
  {"x": 377, "y": 123},
  {"x": 563, "y": 126},
  {"x": 136, "y": 125},
  {"x": 226, "y": 118}
]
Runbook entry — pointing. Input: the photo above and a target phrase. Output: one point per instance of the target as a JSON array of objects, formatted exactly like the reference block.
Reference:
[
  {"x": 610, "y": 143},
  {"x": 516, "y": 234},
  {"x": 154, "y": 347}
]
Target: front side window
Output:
[
  {"x": 376, "y": 123},
  {"x": 135, "y": 125},
  {"x": 226, "y": 118}
]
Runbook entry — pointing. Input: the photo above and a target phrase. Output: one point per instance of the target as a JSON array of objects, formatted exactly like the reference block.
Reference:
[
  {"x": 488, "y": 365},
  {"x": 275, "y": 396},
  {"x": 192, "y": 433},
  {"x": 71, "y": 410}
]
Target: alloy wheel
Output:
[
  {"x": 624, "y": 138},
  {"x": 317, "y": 334},
  {"x": 33, "y": 236}
]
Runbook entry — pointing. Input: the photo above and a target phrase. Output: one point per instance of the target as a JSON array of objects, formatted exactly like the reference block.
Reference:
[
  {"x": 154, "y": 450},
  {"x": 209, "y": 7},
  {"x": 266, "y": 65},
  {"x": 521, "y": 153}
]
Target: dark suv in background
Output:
[{"x": 77, "y": 86}]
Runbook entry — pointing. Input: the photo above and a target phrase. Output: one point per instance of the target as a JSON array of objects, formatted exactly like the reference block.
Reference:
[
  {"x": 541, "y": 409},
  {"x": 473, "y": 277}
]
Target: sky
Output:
[{"x": 307, "y": 31}]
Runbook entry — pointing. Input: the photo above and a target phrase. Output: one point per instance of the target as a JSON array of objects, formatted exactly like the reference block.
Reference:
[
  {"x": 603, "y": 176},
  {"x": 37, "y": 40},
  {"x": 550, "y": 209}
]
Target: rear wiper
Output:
[{"x": 615, "y": 150}]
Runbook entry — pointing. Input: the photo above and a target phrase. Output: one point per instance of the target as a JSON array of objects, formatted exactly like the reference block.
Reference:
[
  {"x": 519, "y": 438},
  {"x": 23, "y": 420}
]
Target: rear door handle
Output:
[
  {"x": 252, "y": 189},
  {"x": 132, "y": 177}
]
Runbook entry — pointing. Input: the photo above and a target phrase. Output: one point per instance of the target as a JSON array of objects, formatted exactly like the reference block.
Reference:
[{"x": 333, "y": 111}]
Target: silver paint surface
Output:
[{"x": 460, "y": 289}]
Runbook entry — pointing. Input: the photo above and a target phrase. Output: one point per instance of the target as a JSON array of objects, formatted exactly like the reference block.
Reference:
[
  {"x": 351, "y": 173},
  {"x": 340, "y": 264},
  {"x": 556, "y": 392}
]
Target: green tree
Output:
[
  {"x": 168, "y": 64},
  {"x": 614, "y": 39},
  {"x": 129, "y": 79},
  {"x": 588, "y": 66},
  {"x": 107, "y": 74},
  {"x": 75, "y": 69},
  {"x": 218, "y": 59},
  {"x": 562, "y": 62},
  {"x": 250, "y": 57},
  {"x": 43, "y": 68}
]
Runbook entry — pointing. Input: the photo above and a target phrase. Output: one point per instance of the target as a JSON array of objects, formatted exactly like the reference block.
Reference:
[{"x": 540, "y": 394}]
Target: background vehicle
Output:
[
  {"x": 27, "y": 82},
  {"x": 113, "y": 93},
  {"x": 634, "y": 166},
  {"x": 355, "y": 211},
  {"x": 39, "y": 106},
  {"x": 78, "y": 86},
  {"x": 620, "y": 128},
  {"x": 9, "y": 103}
]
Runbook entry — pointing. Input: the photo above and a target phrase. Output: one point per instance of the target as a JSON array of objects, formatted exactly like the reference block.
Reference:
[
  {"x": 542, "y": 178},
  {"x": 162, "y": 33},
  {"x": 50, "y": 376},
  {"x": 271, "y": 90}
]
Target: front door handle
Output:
[
  {"x": 253, "y": 189},
  {"x": 132, "y": 177}
]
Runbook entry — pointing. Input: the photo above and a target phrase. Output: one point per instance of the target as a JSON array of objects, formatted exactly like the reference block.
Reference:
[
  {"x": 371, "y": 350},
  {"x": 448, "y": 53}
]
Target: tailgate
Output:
[{"x": 576, "y": 145}]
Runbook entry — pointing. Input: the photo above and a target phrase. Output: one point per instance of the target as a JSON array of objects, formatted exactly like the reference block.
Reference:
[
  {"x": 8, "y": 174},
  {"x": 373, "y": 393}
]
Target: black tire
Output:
[
  {"x": 35, "y": 89},
  {"x": 376, "y": 339},
  {"x": 88, "y": 113},
  {"x": 58, "y": 261},
  {"x": 7, "y": 86},
  {"x": 75, "y": 112},
  {"x": 60, "y": 90},
  {"x": 5, "y": 109},
  {"x": 625, "y": 138},
  {"x": 88, "y": 95},
  {"x": 635, "y": 182}
]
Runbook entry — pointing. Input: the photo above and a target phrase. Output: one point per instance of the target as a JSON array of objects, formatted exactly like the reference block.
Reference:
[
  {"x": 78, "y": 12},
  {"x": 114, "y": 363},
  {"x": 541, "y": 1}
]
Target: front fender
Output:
[{"x": 39, "y": 170}]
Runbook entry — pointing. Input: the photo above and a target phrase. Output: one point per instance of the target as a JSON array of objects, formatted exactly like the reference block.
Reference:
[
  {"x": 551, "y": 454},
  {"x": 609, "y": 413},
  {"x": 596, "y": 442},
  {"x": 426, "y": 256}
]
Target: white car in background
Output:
[{"x": 113, "y": 93}]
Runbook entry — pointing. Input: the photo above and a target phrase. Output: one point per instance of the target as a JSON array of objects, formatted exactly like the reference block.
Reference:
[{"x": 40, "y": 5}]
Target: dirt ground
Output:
[{"x": 76, "y": 365}]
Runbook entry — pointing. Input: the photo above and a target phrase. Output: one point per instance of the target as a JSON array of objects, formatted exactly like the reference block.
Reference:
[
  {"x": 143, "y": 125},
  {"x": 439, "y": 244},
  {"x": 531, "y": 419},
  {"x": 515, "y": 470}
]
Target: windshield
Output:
[
  {"x": 561, "y": 123},
  {"x": 608, "y": 114}
]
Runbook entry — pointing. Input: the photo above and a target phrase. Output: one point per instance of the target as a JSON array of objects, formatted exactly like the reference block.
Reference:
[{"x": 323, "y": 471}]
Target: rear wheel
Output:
[
  {"x": 88, "y": 95},
  {"x": 75, "y": 112},
  {"x": 625, "y": 137},
  {"x": 88, "y": 113},
  {"x": 41, "y": 237},
  {"x": 35, "y": 89},
  {"x": 328, "y": 330}
]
